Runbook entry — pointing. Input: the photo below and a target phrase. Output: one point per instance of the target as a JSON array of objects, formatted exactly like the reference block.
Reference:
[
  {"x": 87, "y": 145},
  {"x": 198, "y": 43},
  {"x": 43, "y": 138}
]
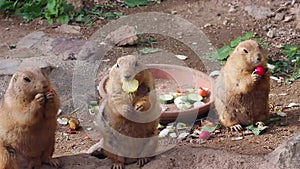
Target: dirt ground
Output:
[{"x": 221, "y": 26}]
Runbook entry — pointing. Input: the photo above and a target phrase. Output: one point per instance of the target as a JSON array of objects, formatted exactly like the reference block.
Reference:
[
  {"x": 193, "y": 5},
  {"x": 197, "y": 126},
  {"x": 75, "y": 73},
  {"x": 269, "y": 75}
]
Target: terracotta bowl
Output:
[{"x": 183, "y": 76}]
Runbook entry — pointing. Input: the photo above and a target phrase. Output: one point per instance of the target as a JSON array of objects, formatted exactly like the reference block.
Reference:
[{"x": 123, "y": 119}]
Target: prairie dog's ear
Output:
[
  {"x": 15, "y": 77},
  {"x": 47, "y": 70}
]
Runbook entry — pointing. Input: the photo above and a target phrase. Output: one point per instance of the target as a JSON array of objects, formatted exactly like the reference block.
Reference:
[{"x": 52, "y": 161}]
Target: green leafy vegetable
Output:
[
  {"x": 256, "y": 130},
  {"x": 135, "y": 3}
]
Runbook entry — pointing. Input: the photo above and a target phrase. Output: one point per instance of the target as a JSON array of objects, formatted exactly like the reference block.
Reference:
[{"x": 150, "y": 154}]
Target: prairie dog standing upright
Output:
[
  {"x": 128, "y": 123},
  {"x": 241, "y": 95},
  {"x": 28, "y": 117}
]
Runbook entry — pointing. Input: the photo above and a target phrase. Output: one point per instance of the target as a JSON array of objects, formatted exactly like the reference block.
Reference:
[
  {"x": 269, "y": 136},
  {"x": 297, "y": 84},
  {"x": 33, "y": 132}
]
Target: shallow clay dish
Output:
[{"x": 184, "y": 76}]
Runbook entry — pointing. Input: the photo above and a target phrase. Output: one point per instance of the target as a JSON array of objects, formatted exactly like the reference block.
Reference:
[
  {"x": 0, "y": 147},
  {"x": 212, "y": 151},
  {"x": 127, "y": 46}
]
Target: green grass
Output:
[
  {"x": 289, "y": 67},
  {"x": 57, "y": 11}
]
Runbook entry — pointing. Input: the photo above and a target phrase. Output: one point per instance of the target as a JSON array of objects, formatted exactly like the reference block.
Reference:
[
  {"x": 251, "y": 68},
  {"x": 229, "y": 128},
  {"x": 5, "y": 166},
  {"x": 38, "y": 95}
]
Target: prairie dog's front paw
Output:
[
  {"x": 49, "y": 97},
  {"x": 40, "y": 98},
  {"x": 142, "y": 105},
  {"x": 236, "y": 127},
  {"x": 255, "y": 76}
]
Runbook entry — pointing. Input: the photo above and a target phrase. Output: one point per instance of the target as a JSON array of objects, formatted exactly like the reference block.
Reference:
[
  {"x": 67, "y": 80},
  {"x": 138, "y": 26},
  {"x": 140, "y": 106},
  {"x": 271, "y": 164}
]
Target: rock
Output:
[
  {"x": 81, "y": 161},
  {"x": 288, "y": 18},
  {"x": 89, "y": 51},
  {"x": 287, "y": 155},
  {"x": 23, "y": 53},
  {"x": 207, "y": 25},
  {"x": 9, "y": 66},
  {"x": 259, "y": 12},
  {"x": 30, "y": 40},
  {"x": 67, "y": 47},
  {"x": 298, "y": 25},
  {"x": 279, "y": 16},
  {"x": 173, "y": 12},
  {"x": 232, "y": 9},
  {"x": 70, "y": 29},
  {"x": 271, "y": 33},
  {"x": 36, "y": 63},
  {"x": 125, "y": 35}
]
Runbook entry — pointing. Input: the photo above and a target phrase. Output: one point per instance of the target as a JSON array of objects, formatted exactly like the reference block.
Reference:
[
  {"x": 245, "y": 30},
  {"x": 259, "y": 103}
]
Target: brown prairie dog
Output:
[
  {"x": 121, "y": 111},
  {"x": 241, "y": 95},
  {"x": 28, "y": 117}
]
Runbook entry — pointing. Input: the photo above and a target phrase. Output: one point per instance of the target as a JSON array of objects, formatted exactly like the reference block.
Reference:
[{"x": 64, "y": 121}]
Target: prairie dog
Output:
[
  {"x": 28, "y": 117},
  {"x": 128, "y": 131},
  {"x": 241, "y": 95}
]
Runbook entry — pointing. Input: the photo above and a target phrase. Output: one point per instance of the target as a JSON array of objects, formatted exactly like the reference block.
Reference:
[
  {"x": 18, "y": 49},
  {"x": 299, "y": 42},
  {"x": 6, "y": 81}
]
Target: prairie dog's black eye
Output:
[
  {"x": 245, "y": 51},
  {"x": 27, "y": 79},
  {"x": 136, "y": 64},
  {"x": 118, "y": 65}
]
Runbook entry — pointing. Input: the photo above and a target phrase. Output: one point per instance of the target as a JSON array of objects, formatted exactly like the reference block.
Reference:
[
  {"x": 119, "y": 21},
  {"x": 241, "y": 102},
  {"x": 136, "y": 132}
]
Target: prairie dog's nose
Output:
[
  {"x": 259, "y": 57},
  {"x": 45, "y": 85}
]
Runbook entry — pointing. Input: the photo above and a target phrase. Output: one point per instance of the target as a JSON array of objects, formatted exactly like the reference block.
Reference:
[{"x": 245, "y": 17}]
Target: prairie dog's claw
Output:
[
  {"x": 139, "y": 107},
  {"x": 142, "y": 161},
  {"x": 117, "y": 166},
  {"x": 54, "y": 163},
  {"x": 49, "y": 96},
  {"x": 40, "y": 98},
  {"x": 255, "y": 76},
  {"x": 236, "y": 127}
]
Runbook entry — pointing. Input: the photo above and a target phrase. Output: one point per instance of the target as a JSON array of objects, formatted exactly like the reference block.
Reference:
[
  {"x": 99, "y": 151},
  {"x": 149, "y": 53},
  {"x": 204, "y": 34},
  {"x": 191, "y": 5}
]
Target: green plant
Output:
[
  {"x": 224, "y": 52},
  {"x": 87, "y": 16},
  {"x": 289, "y": 67},
  {"x": 137, "y": 3},
  {"x": 57, "y": 10}
]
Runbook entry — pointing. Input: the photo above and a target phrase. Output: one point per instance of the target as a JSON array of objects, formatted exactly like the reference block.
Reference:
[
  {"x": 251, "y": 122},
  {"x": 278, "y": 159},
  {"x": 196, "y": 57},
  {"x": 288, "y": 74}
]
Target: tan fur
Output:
[
  {"x": 28, "y": 116},
  {"x": 239, "y": 97},
  {"x": 120, "y": 106}
]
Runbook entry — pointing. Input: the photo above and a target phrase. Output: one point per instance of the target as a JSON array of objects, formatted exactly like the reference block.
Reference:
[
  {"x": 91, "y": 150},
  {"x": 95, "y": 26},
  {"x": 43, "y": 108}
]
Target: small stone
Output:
[
  {"x": 279, "y": 16},
  {"x": 298, "y": 25},
  {"x": 7, "y": 29},
  {"x": 70, "y": 29},
  {"x": 286, "y": 155},
  {"x": 207, "y": 25},
  {"x": 232, "y": 9},
  {"x": 125, "y": 35},
  {"x": 288, "y": 18},
  {"x": 225, "y": 22},
  {"x": 30, "y": 40},
  {"x": 271, "y": 34},
  {"x": 173, "y": 12},
  {"x": 259, "y": 12}
]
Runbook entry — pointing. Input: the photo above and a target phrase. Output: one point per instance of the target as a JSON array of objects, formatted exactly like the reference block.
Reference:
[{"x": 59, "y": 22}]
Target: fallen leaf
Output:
[
  {"x": 281, "y": 114},
  {"x": 282, "y": 124},
  {"x": 181, "y": 57},
  {"x": 209, "y": 128},
  {"x": 183, "y": 135},
  {"x": 148, "y": 51},
  {"x": 256, "y": 130},
  {"x": 293, "y": 105},
  {"x": 237, "y": 138},
  {"x": 271, "y": 120}
]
